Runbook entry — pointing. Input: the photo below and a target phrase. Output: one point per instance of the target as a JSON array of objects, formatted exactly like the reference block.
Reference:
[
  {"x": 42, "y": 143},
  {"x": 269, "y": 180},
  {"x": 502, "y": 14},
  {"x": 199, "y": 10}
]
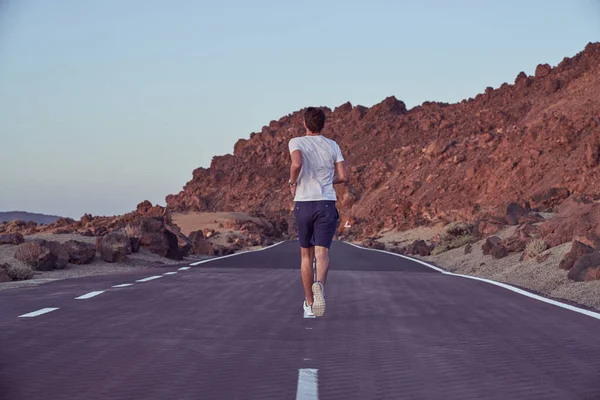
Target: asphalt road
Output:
[{"x": 233, "y": 328}]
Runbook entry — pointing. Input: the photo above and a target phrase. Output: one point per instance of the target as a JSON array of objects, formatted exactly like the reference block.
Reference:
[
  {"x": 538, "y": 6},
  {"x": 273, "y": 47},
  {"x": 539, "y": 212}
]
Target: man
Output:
[{"x": 317, "y": 165}]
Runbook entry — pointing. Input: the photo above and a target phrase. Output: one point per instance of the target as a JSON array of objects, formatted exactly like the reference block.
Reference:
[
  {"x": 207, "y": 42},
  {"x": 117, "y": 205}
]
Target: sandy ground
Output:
[
  {"x": 544, "y": 278},
  {"x": 143, "y": 259},
  {"x": 193, "y": 221},
  {"x": 404, "y": 238}
]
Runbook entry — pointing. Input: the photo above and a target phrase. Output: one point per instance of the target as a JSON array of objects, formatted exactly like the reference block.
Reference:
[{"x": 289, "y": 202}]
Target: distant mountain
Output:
[{"x": 26, "y": 216}]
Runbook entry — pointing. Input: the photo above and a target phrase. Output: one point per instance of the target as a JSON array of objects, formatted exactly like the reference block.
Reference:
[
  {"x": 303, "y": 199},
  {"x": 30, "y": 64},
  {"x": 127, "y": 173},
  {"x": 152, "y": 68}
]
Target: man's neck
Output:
[{"x": 309, "y": 133}]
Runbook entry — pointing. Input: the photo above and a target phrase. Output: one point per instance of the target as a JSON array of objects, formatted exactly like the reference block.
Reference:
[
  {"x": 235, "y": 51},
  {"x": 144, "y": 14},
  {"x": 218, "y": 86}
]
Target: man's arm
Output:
[
  {"x": 340, "y": 172},
  {"x": 296, "y": 166}
]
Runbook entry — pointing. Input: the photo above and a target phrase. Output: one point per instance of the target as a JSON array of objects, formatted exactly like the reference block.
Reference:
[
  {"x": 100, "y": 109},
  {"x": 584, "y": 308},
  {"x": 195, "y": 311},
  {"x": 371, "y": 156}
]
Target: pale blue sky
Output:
[{"x": 105, "y": 103}]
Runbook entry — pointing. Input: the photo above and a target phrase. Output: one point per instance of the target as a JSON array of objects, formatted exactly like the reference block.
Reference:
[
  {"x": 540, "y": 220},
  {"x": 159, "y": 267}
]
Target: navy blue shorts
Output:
[{"x": 316, "y": 222}]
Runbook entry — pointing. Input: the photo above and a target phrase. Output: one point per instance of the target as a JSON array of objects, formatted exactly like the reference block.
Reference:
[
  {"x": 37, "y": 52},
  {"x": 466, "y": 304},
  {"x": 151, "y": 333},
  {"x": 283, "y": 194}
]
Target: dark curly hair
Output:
[{"x": 314, "y": 118}]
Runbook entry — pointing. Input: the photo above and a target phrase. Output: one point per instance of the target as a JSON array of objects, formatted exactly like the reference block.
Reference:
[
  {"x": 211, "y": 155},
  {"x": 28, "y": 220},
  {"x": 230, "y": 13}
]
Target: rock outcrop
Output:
[{"x": 435, "y": 162}]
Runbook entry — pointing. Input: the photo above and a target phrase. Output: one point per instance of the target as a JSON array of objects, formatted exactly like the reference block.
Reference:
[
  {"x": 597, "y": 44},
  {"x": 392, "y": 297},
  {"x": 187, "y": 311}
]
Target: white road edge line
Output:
[
  {"x": 89, "y": 295},
  {"x": 184, "y": 268},
  {"x": 150, "y": 278},
  {"x": 170, "y": 273},
  {"x": 235, "y": 254},
  {"x": 38, "y": 312},
  {"x": 123, "y": 285},
  {"x": 502, "y": 285},
  {"x": 308, "y": 384}
]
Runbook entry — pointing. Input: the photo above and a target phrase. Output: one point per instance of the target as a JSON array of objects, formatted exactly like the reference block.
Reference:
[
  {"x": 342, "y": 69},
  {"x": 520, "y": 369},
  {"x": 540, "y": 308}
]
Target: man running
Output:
[{"x": 317, "y": 165}]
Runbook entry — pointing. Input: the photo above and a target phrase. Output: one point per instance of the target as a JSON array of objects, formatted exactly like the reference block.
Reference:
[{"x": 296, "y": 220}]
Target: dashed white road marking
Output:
[
  {"x": 184, "y": 268},
  {"x": 89, "y": 295},
  {"x": 150, "y": 278},
  {"x": 170, "y": 273},
  {"x": 38, "y": 312},
  {"x": 123, "y": 285},
  {"x": 308, "y": 384}
]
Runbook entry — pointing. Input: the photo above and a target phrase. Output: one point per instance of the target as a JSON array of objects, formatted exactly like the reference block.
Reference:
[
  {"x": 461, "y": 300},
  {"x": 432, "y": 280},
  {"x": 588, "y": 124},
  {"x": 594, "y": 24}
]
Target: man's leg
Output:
[
  {"x": 324, "y": 230},
  {"x": 322, "y": 254},
  {"x": 307, "y": 273},
  {"x": 304, "y": 224}
]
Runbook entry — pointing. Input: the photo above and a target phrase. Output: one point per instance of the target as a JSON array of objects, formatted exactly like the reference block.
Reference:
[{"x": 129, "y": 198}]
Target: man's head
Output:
[{"x": 314, "y": 119}]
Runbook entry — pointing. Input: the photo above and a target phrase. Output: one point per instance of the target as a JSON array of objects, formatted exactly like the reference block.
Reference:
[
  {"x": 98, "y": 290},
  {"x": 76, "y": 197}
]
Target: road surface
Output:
[{"x": 233, "y": 328}]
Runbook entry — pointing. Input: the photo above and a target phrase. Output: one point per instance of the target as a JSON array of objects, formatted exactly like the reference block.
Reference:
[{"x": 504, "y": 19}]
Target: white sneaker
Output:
[
  {"x": 308, "y": 312},
  {"x": 318, "y": 306}
]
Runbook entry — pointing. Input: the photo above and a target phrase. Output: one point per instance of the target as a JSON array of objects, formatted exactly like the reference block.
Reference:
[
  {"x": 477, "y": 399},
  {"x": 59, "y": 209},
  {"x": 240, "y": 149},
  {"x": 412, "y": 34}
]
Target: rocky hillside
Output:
[
  {"x": 9, "y": 216},
  {"x": 534, "y": 141}
]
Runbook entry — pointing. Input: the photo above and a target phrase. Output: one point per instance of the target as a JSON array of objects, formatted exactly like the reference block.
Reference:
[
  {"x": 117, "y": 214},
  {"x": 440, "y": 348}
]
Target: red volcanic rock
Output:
[
  {"x": 576, "y": 218},
  {"x": 542, "y": 70},
  {"x": 489, "y": 244},
  {"x": 155, "y": 236},
  {"x": 113, "y": 247},
  {"x": 42, "y": 255},
  {"x": 80, "y": 252},
  {"x": 586, "y": 268},
  {"x": 577, "y": 251},
  {"x": 532, "y": 141}
]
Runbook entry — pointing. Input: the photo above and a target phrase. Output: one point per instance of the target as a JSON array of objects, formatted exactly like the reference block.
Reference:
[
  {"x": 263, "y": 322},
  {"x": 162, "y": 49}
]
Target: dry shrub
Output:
[
  {"x": 458, "y": 234},
  {"x": 450, "y": 242},
  {"x": 535, "y": 248},
  {"x": 459, "y": 228},
  {"x": 18, "y": 271}
]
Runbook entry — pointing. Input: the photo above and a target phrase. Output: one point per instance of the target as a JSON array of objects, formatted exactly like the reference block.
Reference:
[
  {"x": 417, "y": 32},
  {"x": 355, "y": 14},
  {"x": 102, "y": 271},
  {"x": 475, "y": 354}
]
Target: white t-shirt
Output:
[{"x": 319, "y": 156}]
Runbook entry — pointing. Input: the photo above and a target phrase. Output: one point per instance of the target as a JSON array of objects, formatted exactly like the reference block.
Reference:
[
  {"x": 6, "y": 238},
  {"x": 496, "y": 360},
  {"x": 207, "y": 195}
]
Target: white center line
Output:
[
  {"x": 89, "y": 295},
  {"x": 123, "y": 285},
  {"x": 170, "y": 273},
  {"x": 39, "y": 312},
  {"x": 150, "y": 278},
  {"x": 184, "y": 268},
  {"x": 308, "y": 384}
]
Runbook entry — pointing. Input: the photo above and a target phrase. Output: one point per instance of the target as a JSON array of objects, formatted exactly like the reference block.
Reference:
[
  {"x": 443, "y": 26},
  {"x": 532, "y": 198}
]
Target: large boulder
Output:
[
  {"x": 59, "y": 251},
  {"x": 155, "y": 237},
  {"x": 113, "y": 247},
  {"x": 79, "y": 252},
  {"x": 578, "y": 249},
  {"x": 489, "y": 244},
  {"x": 514, "y": 212},
  {"x": 183, "y": 242},
  {"x": 575, "y": 219},
  {"x": 36, "y": 255},
  {"x": 11, "y": 238},
  {"x": 586, "y": 268},
  {"x": 499, "y": 251}
]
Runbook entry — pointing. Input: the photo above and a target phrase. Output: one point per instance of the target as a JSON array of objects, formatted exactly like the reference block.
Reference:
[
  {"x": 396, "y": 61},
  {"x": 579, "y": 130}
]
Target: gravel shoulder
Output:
[
  {"x": 137, "y": 261},
  {"x": 545, "y": 278}
]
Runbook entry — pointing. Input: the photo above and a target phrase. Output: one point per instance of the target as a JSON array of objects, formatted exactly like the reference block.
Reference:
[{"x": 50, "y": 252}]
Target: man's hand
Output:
[{"x": 293, "y": 190}]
